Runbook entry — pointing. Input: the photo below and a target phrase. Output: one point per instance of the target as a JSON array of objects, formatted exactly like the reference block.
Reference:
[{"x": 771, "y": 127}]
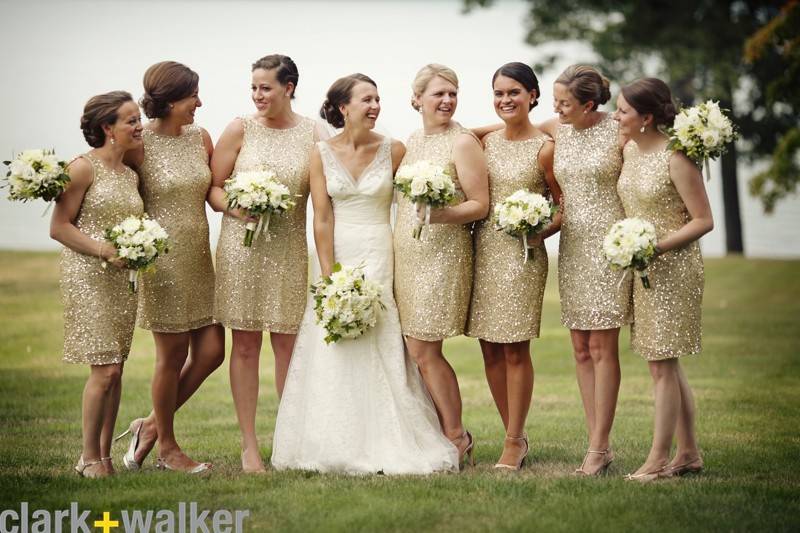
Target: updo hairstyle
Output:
[
  {"x": 651, "y": 96},
  {"x": 426, "y": 74},
  {"x": 164, "y": 83},
  {"x": 339, "y": 94},
  {"x": 99, "y": 111},
  {"x": 586, "y": 84},
  {"x": 286, "y": 69},
  {"x": 523, "y": 74}
]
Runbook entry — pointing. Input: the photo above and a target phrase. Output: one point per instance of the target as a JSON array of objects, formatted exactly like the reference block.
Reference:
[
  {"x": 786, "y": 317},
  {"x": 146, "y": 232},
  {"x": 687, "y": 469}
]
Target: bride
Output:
[{"x": 356, "y": 406}]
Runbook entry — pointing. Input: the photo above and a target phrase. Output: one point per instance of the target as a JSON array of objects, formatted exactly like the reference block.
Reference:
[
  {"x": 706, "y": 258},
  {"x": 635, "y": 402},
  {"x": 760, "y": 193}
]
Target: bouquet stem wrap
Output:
[
  {"x": 254, "y": 229},
  {"x": 133, "y": 275},
  {"x": 417, "y": 233}
]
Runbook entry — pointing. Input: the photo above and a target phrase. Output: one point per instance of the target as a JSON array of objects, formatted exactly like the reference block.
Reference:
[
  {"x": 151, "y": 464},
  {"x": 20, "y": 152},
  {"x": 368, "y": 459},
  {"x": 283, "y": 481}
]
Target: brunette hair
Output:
[
  {"x": 651, "y": 96},
  {"x": 426, "y": 74},
  {"x": 164, "y": 83},
  {"x": 286, "y": 69},
  {"x": 99, "y": 111},
  {"x": 586, "y": 84},
  {"x": 340, "y": 93},
  {"x": 523, "y": 74}
]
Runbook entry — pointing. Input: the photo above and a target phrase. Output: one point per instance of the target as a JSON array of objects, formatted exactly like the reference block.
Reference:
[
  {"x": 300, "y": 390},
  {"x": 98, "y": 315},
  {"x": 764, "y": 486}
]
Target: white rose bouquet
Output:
[
  {"x": 702, "y": 132},
  {"x": 36, "y": 174},
  {"x": 631, "y": 245},
  {"x": 524, "y": 213},
  {"x": 139, "y": 241},
  {"x": 425, "y": 183},
  {"x": 346, "y": 303},
  {"x": 259, "y": 194}
]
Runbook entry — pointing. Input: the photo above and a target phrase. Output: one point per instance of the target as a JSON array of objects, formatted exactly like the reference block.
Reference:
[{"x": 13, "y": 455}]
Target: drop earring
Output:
[{"x": 641, "y": 130}]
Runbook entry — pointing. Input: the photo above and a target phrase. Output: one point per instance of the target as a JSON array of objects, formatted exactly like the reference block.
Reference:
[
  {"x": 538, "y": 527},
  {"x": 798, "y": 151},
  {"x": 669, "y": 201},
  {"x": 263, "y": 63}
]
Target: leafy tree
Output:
[
  {"x": 777, "y": 44},
  {"x": 694, "y": 45}
]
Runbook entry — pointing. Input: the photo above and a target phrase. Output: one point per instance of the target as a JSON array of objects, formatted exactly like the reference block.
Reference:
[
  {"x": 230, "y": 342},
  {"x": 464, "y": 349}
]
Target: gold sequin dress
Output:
[
  {"x": 507, "y": 293},
  {"x": 99, "y": 309},
  {"x": 666, "y": 316},
  {"x": 263, "y": 288},
  {"x": 586, "y": 165},
  {"x": 179, "y": 295},
  {"x": 433, "y": 274}
]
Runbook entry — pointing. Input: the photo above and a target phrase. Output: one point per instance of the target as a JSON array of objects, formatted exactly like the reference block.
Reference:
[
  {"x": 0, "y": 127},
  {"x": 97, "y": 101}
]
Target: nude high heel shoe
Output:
[
  {"x": 129, "y": 458},
  {"x": 521, "y": 461},
  {"x": 608, "y": 458}
]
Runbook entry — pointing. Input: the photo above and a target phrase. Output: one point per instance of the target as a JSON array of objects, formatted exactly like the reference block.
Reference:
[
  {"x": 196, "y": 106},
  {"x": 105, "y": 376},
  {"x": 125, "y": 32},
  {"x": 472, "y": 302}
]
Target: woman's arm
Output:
[
  {"x": 482, "y": 131},
  {"x": 689, "y": 183},
  {"x": 323, "y": 214},
  {"x": 68, "y": 205},
  {"x": 546, "y": 162},
  {"x": 472, "y": 175},
  {"x": 222, "y": 162}
]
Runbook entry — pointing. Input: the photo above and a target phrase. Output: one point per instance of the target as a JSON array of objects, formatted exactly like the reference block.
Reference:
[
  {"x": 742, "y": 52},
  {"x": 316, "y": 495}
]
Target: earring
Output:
[
  {"x": 585, "y": 111},
  {"x": 171, "y": 106},
  {"x": 641, "y": 130},
  {"x": 113, "y": 142}
]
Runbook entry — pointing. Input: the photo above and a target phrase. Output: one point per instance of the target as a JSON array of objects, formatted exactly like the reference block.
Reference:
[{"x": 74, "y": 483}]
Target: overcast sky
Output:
[{"x": 57, "y": 54}]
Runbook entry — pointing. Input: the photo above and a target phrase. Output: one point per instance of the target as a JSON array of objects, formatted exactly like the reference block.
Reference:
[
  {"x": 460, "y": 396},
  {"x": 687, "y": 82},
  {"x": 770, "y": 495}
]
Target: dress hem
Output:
[{"x": 156, "y": 327}]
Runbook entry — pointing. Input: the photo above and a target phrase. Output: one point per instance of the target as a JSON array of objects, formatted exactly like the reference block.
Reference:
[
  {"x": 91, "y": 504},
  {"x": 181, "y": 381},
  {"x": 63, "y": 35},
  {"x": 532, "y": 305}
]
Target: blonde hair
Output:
[
  {"x": 426, "y": 74},
  {"x": 586, "y": 84}
]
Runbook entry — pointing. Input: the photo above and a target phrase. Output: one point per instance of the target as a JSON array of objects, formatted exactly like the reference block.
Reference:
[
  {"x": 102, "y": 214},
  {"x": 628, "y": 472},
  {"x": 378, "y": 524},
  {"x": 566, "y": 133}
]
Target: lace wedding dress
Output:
[{"x": 359, "y": 406}]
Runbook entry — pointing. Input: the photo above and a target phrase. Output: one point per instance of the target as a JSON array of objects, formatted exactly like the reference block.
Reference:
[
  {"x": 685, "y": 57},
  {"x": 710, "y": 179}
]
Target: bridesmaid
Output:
[
  {"x": 507, "y": 293},
  {"x": 99, "y": 310},
  {"x": 587, "y": 163},
  {"x": 176, "y": 302},
  {"x": 263, "y": 288},
  {"x": 433, "y": 275},
  {"x": 665, "y": 188}
]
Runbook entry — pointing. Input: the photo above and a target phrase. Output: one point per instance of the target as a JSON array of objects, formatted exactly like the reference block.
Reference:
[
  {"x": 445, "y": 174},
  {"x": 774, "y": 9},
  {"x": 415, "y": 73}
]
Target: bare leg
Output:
[
  {"x": 519, "y": 375},
  {"x": 604, "y": 353},
  {"x": 282, "y": 347},
  {"x": 441, "y": 382},
  {"x": 667, "y": 407},
  {"x": 109, "y": 421},
  {"x": 494, "y": 363},
  {"x": 97, "y": 394},
  {"x": 245, "y": 356},
  {"x": 206, "y": 354},
  {"x": 584, "y": 371},
  {"x": 687, "y": 451}
]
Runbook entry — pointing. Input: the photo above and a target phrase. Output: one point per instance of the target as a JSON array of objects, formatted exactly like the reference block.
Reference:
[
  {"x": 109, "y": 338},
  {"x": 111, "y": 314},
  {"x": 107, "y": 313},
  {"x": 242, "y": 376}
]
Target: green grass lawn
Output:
[{"x": 746, "y": 382}]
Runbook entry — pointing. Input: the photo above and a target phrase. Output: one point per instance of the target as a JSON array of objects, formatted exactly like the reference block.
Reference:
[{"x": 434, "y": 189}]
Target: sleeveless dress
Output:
[
  {"x": 179, "y": 295},
  {"x": 433, "y": 274},
  {"x": 359, "y": 406},
  {"x": 507, "y": 293},
  {"x": 586, "y": 165},
  {"x": 263, "y": 288},
  {"x": 666, "y": 316},
  {"x": 99, "y": 310}
]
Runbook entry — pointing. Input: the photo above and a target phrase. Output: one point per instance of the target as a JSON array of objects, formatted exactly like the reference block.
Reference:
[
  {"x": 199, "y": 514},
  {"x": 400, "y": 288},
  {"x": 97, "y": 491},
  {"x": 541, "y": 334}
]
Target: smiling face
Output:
[
  {"x": 568, "y": 108},
  {"x": 364, "y": 105},
  {"x": 438, "y": 101},
  {"x": 127, "y": 130},
  {"x": 183, "y": 110},
  {"x": 630, "y": 121},
  {"x": 512, "y": 102},
  {"x": 270, "y": 97}
]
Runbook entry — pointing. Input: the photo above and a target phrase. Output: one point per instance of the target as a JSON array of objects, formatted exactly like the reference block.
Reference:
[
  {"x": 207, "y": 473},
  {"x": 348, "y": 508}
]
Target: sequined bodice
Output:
[
  {"x": 175, "y": 177},
  {"x": 647, "y": 191},
  {"x": 513, "y": 165},
  {"x": 586, "y": 165},
  {"x": 286, "y": 152},
  {"x": 110, "y": 198},
  {"x": 436, "y": 148}
]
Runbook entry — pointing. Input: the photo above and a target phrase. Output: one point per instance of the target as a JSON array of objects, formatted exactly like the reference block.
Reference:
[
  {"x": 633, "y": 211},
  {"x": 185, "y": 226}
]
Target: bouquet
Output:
[
  {"x": 702, "y": 133},
  {"x": 524, "y": 213},
  {"x": 425, "y": 183},
  {"x": 36, "y": 174},
  {"x": 259, "y": 194},
  {"x": 346, "y": 303},
  {"x": 630, "y": 245},
  {"x": 139, "y": 241}
]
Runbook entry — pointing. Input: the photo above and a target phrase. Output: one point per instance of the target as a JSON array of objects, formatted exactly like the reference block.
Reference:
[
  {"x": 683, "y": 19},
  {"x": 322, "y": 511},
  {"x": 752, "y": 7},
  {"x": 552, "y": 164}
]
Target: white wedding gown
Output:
[{"x": 359, "y": 406}]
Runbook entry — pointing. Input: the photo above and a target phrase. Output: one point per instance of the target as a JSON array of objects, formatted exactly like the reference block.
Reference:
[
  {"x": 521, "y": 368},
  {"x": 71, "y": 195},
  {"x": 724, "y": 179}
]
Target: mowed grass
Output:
[{"x": 746, "y": 382}]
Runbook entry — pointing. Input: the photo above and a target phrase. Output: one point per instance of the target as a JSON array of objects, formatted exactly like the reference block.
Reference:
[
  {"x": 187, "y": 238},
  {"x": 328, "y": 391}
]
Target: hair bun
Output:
[{"x": 331, "y": 114}]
